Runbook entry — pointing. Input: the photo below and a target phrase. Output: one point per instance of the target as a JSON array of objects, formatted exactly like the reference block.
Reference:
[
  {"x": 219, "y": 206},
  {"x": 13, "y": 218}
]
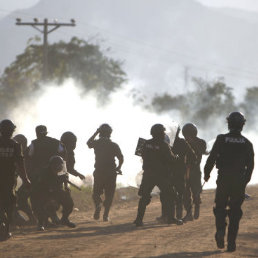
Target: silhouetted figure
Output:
[
  {"x": 174, "y": 178},
  {"x": 23, "y": 193},
  {"x": 193, "y": 186},
  {"x": 106, "y": 170},
  {"x": 48, "y": 194},
  {"x": 69, "y": 140},
  {"x": 11, "y": 160},
  {"x": 180, "y": 148},
  {"x": 157, "y": 161},
  {"x": 43, "y": 148},
  {"x": 233, "y": 155}
]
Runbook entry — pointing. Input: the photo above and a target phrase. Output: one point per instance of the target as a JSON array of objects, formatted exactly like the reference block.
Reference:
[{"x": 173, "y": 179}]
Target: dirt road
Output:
[{"x": 120, "y": 238}]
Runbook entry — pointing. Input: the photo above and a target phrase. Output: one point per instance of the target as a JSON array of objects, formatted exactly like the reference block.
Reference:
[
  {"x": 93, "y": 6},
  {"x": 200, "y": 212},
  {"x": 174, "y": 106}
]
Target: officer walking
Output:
[
  {"x": 157, "y": 160},
  {"x": 196, "y": 148},
  {"x": 106, "y": 169},
  {"x": 11, "y": 157},
  {"x": 233, "y": 155}
]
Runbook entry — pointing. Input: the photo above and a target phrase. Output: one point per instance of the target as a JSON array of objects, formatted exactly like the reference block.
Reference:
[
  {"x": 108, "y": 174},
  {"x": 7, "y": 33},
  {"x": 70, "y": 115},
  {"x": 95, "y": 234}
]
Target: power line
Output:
[
  {"x": 232, "y": 71},
  {"x": 48, "y": 27}
]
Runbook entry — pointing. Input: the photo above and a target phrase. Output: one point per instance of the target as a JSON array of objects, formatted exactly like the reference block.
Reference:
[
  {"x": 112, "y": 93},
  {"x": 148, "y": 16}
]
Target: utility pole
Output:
[{"x": 48, "y": 27}]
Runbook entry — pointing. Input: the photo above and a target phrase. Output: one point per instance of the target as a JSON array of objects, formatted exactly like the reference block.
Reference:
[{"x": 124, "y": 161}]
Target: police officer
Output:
[
  {"x": 105, "y": 168},
  {"x": 69, "y": 140},
  {"x": 23, "y": 193},
  {"x": 157, "y": 160},
  {"x": 48, "y": 194},
  {"x": 179, "y": 148},
  {"x": 196, "y": 148},
  {"x": 176, "y": 186},
  {"x": 233, "y": 155},
  {"x": 10, "y": 157},
  {"x": 43, "y": 148}
]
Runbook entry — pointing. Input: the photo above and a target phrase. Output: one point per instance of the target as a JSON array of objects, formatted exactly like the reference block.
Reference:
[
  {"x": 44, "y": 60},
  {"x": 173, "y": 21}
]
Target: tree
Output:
[
  {"x": 77, "y": 59},
  {"x": 250, "y": 106},
  {"x": 209, "y": 101}
]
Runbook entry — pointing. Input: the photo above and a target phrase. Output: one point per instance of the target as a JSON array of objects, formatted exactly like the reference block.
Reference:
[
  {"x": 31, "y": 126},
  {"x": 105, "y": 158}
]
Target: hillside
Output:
[{"x": 167, "y": 35}]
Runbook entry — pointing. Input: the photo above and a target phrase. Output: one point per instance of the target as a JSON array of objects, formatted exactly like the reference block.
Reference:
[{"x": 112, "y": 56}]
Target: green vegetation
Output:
[
  {"x": 77, "y": 59},
  {"x": 207, "y": 102}
]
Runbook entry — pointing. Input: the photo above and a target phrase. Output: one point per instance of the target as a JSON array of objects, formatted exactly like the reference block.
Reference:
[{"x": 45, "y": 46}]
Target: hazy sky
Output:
[{"x": 251, "y": 5}]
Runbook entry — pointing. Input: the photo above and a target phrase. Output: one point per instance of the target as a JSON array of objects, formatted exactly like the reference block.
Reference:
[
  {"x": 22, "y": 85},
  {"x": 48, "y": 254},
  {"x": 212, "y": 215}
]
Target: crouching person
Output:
[{"x": 48, "y": 194}]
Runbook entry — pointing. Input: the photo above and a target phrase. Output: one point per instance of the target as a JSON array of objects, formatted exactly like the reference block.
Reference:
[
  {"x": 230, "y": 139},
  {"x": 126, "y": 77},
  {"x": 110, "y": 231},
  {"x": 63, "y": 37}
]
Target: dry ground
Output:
[{"x": 120, "y": 238}]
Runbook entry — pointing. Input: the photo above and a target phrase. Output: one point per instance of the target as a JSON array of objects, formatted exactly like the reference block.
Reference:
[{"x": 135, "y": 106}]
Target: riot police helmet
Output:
[
  {"x": 69, "y": 139},
  {"x": 41, "y": 130},
  {"x": 56, "y": 163},
  {"x": 189, "y": 130},
  {"x": 20, "y": 138},
  {"x": 7, "y": 128},
  {"x": 105, "y": 130},
  {"x": 236, "y": 121},
  {"x": 158, "y": 131}
]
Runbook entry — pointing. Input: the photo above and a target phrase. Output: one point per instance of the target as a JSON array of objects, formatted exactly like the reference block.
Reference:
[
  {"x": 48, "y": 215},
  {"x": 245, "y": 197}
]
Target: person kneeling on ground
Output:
[{"x": 48, "y": 194}]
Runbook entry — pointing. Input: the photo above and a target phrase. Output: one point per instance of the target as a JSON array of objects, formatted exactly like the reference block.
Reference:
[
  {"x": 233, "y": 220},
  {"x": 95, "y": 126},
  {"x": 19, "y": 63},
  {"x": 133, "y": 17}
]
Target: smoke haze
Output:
[{"x": 65, "y": 108}]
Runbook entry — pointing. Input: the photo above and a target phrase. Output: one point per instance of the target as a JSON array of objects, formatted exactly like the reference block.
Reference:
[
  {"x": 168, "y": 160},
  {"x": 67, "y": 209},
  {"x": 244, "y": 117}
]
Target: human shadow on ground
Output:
[
  {"x": 189, "y": 254},
  {"x": 96, "y": 230}
]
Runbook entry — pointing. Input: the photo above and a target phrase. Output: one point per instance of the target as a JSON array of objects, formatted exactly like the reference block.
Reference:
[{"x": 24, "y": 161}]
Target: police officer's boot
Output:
[
  {"x": 41, "y": 224},
  {"x": 196, "y": 211},
  {"x": 105, "y": 214},
  {"x": 4, "y": 232},
  {"x": 140, "y": 214},
  {"x": 188, "y": 216},
  {"x": 97, "y": 211},
  {"x": 171, "y": 216},
  {"x": 220, "y": 218},
  {"x": 234, "y": 219},
  {"x": 163, "y": 218},
  {"x": 179, "y": 211},
  {"x": 65, "y": 221}
]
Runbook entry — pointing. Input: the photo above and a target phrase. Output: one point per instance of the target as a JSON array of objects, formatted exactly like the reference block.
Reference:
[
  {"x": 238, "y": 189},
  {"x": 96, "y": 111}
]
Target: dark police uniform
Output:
[
  {"x": 105, "y": 170},
  {"x": 23, "y": 193},
  {"x": 42, "y": 149},
  {"x": 179, "y": 148},
  {"x": 10, "y": 154},
  {"x": 48, "y": 194},
  {"x": 196, "y": 148},
  {"x": 157, "y": 160},
  {"x": 233, "y": 155}
]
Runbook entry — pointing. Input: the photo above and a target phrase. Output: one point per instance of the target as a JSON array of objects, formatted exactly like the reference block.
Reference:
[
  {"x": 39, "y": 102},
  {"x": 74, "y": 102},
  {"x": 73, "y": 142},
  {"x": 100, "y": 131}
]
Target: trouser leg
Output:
[
  {"x": 168, "y": 197},
  {"x": 65, "y": 199},
  {"x": 97, "y": 190},
  {"x": 179, "y": 186},
  {"x": 196, "y": 192},
  {"x": 187, "y": 199},
  {"x": 23, "y": 195},
  {"x": 146, "y": 187},
  {"x": 109, "y": 190},
  {"x": 235, "y": 212},
  {"x": 38, "y": 203}
]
